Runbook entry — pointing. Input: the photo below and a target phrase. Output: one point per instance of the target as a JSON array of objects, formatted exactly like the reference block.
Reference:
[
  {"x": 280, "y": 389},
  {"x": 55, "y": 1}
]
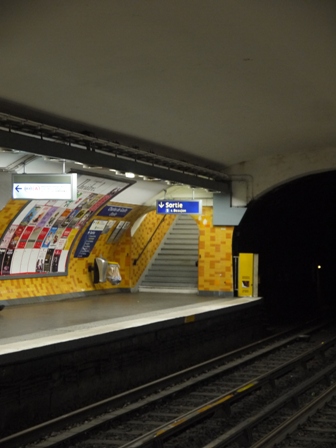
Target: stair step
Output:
[
  {"x": 163, "y": 276},
  {"x": 182, "y": 238},
  {"x": 173, "y": 269},
  {"x": 185, "y": 231},
  {"x": 182, "y": 242},
  {"x": 172, "y": 285},
  {"x": 179, "y": 254},
  {"x": 169, "y": 289},
  {"x": 186, "y": 252},
  {"x": 187, "y": 242},
  {"x": 173, "y": 261},
  {"x": 167, "y": 283},
  {"x": 178, "y": 228}
]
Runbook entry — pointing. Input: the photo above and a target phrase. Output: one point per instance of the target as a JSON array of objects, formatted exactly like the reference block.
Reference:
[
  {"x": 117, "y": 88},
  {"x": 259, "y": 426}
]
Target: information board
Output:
[
  {"x": 164, "y": 207},
  {"x": 45, "y": 186}
]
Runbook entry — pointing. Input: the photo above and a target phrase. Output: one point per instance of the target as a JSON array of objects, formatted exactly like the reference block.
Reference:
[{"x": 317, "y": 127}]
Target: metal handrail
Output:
[{"x": 149, "y": 241}]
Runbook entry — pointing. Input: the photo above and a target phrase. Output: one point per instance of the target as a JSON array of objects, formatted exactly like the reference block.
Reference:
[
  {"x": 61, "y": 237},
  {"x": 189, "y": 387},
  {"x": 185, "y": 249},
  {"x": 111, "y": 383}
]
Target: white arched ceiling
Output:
[{"x": 266, "y": 173}]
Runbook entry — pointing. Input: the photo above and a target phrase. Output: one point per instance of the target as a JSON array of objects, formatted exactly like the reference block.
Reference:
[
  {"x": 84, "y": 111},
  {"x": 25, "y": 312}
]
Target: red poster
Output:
[
  {"x": 100, "y": 203},
  {"x": 16, "y": 237},
  {"x": 66, "y": 232},
  {"x": 25, "y": 236}
]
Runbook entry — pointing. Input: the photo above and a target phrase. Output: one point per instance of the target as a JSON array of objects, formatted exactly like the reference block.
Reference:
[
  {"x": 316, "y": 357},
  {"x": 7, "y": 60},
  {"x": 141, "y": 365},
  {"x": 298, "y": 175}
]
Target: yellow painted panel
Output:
[{"x": 245, "y": 275}]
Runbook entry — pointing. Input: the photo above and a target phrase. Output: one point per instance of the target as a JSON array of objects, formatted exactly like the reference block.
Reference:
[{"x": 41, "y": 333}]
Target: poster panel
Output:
[
  {"x": 39, "y": 239},
  {"x": 89, "y": 239}
]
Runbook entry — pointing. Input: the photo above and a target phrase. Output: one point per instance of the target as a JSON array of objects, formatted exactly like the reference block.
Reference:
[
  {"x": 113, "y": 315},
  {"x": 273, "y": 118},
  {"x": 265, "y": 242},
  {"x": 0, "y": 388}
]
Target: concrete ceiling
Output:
[{"x": 208, "y": 81}]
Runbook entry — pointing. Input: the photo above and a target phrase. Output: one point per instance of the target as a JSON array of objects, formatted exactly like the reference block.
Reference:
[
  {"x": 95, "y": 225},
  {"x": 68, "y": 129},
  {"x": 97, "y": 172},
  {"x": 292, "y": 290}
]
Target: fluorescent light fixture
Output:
[
  {"x": 52, "y": 159},
  {"x": 92, "y": 167},
  {"x": 130, "y": 175}
]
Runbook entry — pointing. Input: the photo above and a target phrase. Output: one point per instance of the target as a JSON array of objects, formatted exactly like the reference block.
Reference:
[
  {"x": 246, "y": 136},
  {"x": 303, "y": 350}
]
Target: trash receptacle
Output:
[
  {"x": 99, "y": 270},
  {"x": 113, "y": 273}
]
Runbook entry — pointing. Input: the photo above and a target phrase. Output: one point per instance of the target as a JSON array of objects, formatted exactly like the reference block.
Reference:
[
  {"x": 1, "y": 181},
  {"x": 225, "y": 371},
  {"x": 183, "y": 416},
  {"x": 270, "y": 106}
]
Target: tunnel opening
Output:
[{"x": 292, "y": 228}]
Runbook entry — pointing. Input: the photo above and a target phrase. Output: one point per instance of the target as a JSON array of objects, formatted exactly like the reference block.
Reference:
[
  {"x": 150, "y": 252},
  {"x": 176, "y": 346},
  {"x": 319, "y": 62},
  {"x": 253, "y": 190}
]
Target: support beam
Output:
[{"x": 42, "y": 147}]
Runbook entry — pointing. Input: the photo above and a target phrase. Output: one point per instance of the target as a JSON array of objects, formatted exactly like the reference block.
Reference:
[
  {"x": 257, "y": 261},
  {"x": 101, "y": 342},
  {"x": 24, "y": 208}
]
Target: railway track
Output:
[
  {"x": 312, "y": 426},
  {"x": 226, "y": 402}
]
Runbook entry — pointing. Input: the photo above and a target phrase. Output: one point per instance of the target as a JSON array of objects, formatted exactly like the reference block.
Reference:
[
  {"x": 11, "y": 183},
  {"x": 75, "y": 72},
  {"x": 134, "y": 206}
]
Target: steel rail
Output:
[
  {"x": 244, "y": 431},
  {"x": 290, "y": 426}
]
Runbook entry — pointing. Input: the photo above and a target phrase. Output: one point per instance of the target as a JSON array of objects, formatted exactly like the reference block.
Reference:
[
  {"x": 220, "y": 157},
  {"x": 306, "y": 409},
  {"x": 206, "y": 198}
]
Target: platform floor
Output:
[{"x": 23, "y": 327}]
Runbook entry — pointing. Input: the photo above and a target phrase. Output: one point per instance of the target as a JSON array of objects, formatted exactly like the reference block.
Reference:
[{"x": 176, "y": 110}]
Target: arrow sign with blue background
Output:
[{"x": 164, "y": 207}]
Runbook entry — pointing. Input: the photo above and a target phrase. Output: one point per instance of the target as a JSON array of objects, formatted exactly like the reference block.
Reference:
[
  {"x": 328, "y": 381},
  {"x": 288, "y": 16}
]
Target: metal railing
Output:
[{"x": 149, "y": 241}]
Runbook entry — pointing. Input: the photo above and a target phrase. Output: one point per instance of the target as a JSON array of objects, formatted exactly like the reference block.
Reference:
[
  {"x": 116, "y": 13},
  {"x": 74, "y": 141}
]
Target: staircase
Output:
[{"x": 174, "y": 267}]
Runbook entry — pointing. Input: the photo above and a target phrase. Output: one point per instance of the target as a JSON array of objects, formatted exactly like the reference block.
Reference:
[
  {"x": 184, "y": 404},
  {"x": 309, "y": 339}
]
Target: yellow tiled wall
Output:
[
  {"x": 152, "y": 223},
  {"x": 215, "y": 265},
  {"x": 215, "y": 255}
]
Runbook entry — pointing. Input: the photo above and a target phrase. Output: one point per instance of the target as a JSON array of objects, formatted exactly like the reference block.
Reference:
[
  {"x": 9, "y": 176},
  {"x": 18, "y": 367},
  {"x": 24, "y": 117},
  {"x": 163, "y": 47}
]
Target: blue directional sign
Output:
[
  {"x": 176, "y": 207},
  {"x": 113, "y": 211}
]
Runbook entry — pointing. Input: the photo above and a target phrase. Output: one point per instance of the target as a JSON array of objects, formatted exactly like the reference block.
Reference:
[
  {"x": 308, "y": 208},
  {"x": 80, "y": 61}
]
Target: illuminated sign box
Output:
[
  {"x": 45, "y": 186},
  {"x": 164, "y": 207}
]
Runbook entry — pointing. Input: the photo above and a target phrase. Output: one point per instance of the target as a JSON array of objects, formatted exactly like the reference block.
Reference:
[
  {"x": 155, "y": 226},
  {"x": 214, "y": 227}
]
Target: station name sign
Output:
[
  {"x": 164, "y": 207},
  {"x": 45, "y": 186}
]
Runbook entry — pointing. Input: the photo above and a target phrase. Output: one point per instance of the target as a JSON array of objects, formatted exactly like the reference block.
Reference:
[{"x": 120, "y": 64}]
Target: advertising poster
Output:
[
  {"x": 39, "y": 239},
  {"x": 89, "y": 239},
  {"x": 118, "y": 232}
]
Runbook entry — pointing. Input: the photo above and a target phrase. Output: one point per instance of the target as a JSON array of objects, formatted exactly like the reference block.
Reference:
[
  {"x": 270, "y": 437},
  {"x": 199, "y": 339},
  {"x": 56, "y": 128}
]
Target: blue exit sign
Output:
[{"x": 175, "y": 207}]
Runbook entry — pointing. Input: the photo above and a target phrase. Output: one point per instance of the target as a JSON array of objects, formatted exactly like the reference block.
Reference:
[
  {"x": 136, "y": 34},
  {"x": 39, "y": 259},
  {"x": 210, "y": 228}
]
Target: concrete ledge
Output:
[
  {"x": 216, "y": 293},
  {"x": 59, "y": 297}
]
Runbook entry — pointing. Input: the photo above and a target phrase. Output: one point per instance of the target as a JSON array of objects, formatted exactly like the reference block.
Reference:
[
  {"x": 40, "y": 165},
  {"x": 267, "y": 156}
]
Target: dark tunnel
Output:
[{"x": 292, "y": 228}]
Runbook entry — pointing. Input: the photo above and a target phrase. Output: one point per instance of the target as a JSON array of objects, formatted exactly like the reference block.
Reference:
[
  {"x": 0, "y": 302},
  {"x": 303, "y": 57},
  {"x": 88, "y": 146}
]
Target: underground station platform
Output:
[
  {"x": 26, "y": 328},
  {"x": 71, "y": 352}
]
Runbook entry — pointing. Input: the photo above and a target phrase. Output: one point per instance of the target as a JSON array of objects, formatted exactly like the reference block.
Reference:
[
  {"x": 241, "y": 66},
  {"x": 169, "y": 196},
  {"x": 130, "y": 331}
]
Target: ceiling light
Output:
[
  {"x": 150, "y": 178},
  {"x": 130, "y": 175},
  {"x": 92, "y": 167},
  {"x": 79, "y": 163},
  {"x": 52, "y": 159}
]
